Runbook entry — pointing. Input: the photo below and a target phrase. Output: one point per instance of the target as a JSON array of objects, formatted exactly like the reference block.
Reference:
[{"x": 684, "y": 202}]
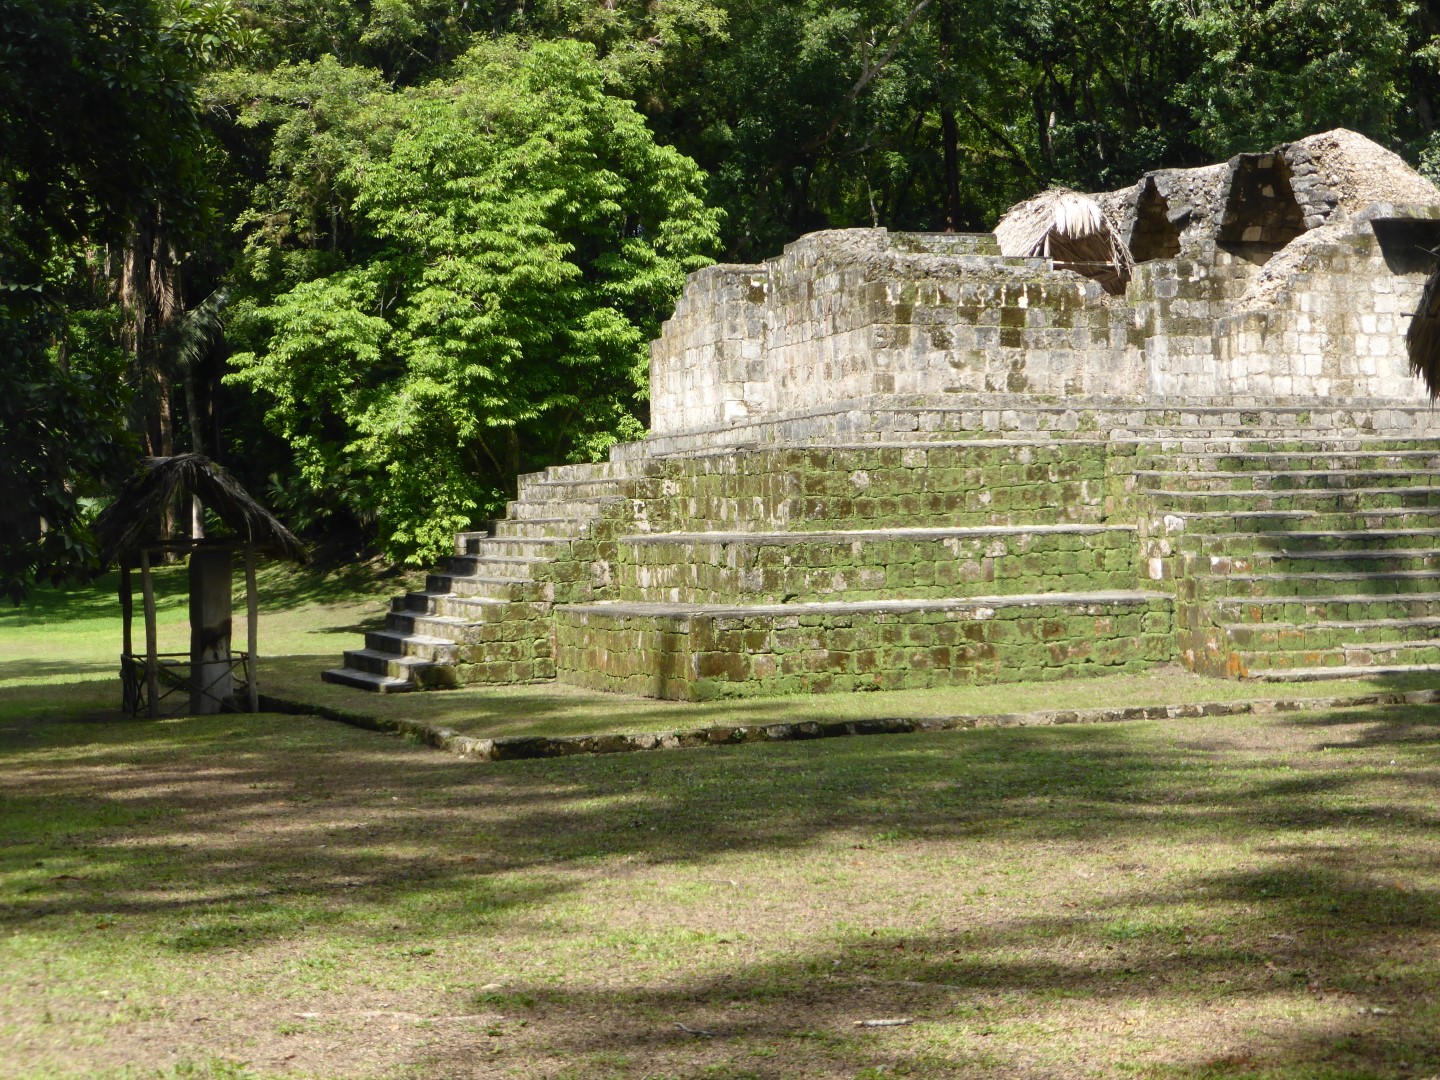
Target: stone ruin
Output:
[{"x": 886, "y": 460}]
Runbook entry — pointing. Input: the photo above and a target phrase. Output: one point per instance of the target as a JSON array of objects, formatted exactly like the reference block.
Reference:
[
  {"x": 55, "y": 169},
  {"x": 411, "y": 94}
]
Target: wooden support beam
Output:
[
  {"x": 252, "y": 617},
  {"x": 152, "y": 661}
]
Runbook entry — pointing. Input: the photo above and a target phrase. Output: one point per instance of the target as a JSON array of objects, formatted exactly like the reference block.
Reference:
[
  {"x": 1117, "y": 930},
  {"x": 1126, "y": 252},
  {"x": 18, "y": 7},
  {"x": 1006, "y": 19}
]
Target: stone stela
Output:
[{"x": 888, "y": 460}]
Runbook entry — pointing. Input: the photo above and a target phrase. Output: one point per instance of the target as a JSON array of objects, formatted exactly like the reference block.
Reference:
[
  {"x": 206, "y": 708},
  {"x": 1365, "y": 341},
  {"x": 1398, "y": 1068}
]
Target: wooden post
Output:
[
  {"x": 212, "y": 676},
  {"x": 127, "y": 609},
  {"x": 252, "y": 613},
  {"x": 152, "y": 662},
  {"x": 128, "y": 689}
]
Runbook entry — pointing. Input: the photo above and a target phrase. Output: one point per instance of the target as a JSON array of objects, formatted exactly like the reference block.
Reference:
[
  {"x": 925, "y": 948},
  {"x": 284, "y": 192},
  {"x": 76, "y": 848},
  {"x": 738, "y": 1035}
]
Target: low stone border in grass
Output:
[{"x": 519, "y": 747}]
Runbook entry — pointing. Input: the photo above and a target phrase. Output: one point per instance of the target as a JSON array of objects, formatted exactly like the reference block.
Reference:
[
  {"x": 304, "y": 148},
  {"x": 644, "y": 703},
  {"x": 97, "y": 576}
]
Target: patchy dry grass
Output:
[
  {"x": 242, "y": 897},
  {"x": 277, "y": 896}
]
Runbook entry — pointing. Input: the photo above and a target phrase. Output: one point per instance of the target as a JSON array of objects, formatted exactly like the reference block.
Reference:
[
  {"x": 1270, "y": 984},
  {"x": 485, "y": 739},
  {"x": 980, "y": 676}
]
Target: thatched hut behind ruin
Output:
[{"x": 1070, "y": 229}]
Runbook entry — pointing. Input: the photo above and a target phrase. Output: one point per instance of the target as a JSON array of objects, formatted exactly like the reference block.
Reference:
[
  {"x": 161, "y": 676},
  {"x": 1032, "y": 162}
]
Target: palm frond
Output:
[{"x": 132, "y": 521}]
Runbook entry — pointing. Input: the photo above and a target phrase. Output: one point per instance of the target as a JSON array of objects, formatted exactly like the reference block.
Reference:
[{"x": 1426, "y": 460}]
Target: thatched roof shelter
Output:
[
  {"x": 1071, "y": 229},
  {"x": 1422, "y": 340},
  {"x": 130, "y": 532},
  {"x": 133, "y": 520}
]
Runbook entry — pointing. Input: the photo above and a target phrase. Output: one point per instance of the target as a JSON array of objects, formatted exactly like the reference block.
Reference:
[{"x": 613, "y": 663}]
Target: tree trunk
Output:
[{"x": 949, "y": 131}]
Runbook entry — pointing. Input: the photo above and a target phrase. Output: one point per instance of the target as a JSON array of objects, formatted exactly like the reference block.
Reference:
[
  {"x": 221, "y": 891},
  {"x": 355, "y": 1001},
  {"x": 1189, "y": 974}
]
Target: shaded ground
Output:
[{"x": 281, "y": 896}]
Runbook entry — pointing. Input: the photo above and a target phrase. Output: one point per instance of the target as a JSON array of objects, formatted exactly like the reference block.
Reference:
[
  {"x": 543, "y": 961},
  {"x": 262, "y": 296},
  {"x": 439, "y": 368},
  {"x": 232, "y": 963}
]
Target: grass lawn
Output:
[
  {"x": 257, "y": 896},
  {"x": 60, "y": 653}
]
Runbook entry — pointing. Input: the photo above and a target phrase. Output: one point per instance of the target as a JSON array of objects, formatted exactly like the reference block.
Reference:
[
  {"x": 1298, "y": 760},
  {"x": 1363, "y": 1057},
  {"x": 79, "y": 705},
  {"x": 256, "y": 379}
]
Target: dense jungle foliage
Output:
[{"x": 378, "y": 256}]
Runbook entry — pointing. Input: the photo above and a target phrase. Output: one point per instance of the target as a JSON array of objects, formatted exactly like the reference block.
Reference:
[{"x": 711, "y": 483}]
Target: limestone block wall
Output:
[
  {"x": 1334, "y": 328},
  {"x": 747, "y": 652},
  {"x": 709, "y": 366},
  {"x": 857, "y": 315},
  {"x": 847, "y": 315}
]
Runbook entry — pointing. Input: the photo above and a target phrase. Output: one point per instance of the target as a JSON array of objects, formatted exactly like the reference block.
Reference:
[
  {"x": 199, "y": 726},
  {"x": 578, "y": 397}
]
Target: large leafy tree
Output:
[
  {"x": 97, "y": 127},
  {"x": 461, "y": 279}
]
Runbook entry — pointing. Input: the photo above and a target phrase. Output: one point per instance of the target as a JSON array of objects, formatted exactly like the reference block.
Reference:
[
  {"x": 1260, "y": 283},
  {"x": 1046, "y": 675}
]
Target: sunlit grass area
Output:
[{"x": 73, "y": 634}]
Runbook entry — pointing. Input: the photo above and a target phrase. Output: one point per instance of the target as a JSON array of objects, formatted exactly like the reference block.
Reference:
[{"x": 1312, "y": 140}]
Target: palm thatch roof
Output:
[
  {"x": 1422, "y": 340},
  {"x": 132, "y": 521},
  {"x": 1071, "y": 229}
]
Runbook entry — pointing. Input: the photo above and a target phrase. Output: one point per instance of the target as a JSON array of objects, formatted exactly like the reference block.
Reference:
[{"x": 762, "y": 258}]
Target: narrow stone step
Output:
[
  {"x": 1302, "y": 586},
  {"x": 435, "y": 650},
  {"x": 510, "y": 567},
  {"x": 1336, "y": 543},
  {"x": 416, "y": 624},
  {"x": 541, "y": 527},
  {"x": 1330, "y": 608},
  {"x": 1367, "y": 500},
  {"x": 564, "y": 490},
  {"x": 1316, "y": 459},
  {"x": 1356, "y": 655},
  {"x": 376, "y": 662},
  {"x": 1161, "y": 449},
  {"x": 364, "y": 680},
  {"x": 481, "y": 586},
  {"x": 530, "y": 547},
  {"x": 1172, "y": 522},
  {"x": 1333, "y": 632},
  {"x": 1197, "y": 481},
  {"x": 593, "y": 470},
  {"x": 430, "y": 603},
  {"x": 573, "y": 509},
  {"x": 1290, "y": 562}
]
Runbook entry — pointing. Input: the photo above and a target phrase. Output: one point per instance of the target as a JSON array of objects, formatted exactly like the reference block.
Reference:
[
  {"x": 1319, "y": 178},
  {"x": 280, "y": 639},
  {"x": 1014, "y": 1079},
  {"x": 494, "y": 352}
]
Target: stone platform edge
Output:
[{"x": 530, "y": 747}]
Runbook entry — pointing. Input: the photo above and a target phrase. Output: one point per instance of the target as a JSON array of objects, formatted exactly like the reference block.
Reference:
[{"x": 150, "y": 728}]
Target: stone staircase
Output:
[
  {"x": 1299, "y": 559},
  {"x": 1279, "y": 544},
  {"x": 484, "y": 616}
]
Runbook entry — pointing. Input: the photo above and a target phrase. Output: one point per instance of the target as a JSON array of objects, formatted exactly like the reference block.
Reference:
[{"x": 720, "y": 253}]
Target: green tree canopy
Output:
[
  {"x": 511, "y": 237},
  {"x": 98, "y": 122}
]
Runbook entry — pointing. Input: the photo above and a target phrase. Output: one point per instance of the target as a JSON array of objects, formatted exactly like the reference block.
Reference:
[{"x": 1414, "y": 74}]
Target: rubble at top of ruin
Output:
[{"x": 1254, "y": 205}]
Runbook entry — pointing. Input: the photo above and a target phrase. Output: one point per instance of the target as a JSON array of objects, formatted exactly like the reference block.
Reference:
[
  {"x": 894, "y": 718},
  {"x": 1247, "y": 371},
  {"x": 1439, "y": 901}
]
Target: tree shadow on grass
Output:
[
  {"x": 378, "y": 834},
  {"x": 44, "y": 669}
]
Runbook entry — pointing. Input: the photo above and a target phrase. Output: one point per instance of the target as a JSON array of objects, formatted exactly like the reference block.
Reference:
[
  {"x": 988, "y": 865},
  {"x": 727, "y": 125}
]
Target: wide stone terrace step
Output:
[
  {"x": 1000, "y": 416},
  {"x": 690, "y": 651},
  {"x": 873, "y": 564},
  {"x": 1344, "y": 672}
]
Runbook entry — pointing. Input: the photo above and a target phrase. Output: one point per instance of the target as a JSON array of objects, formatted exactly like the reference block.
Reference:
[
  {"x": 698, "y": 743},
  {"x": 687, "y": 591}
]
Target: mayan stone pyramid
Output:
[{"x": 902, "y": 460}]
